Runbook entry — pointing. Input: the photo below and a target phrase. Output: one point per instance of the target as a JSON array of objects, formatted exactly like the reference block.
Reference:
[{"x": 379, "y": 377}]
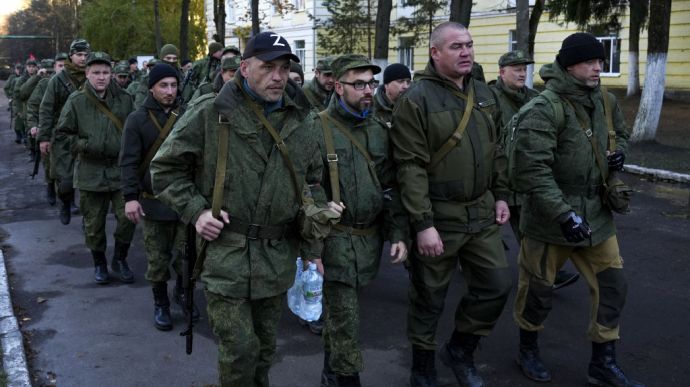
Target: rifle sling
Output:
[
  {"x": 455, "y": 138},
  {"x": 609, "y": 119},
  {"x": 162, "y": 135},
  {"x": 103, "y": 108}
]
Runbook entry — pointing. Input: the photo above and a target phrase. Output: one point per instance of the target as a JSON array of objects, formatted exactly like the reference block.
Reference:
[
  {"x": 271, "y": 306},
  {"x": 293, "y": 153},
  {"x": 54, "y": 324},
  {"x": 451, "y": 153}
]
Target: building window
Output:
[
  {"x": 512, "y": 40},
  {"x": 299, "y": 4},
  {"x": 406, "y": 52},
  {"x": 300, "y": 51},
  {"x": 612, "y": 49}
]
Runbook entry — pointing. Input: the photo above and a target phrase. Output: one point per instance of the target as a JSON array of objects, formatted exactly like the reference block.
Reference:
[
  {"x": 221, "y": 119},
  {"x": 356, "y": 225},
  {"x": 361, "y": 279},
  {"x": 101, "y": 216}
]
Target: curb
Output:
[
  {"x": 13, "y": 358},
  {"x": 658, "y": 173}
]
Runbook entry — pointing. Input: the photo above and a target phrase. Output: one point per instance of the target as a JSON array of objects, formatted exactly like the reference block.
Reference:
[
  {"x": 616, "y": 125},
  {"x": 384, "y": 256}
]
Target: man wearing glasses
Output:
[
  {"x": 361, "y": 181},
  {"x": 453, "y": 183}
]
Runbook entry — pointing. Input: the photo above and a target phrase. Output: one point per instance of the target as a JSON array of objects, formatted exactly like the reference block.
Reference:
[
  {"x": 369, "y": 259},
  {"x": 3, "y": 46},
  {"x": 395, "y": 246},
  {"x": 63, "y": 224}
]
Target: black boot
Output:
[
  {"x": 603, "y": 370},
  {"x": 65, "y": 213},
  {"x": 348, "y": 380},
  {"x": 528, "y": 358},
  {"x": 181, "y": 300},
  {"x": 328, "y": 378},
  {"x": 423, "y": 368},
  {"x": 161, "y": 311},
  {"x": 457, "y": 354},
  {"x": 119, "y": 262},
  {"x": 101, "y": 271},
  {"x": 50, "y": 194}
]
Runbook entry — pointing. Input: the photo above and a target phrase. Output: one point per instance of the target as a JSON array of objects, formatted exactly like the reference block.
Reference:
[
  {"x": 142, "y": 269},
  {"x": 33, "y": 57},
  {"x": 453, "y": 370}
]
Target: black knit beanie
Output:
[
  {"x": 160, "y": 71},
  {"x": 580, "y": 47},
  {"x": 394, "y": 72}
]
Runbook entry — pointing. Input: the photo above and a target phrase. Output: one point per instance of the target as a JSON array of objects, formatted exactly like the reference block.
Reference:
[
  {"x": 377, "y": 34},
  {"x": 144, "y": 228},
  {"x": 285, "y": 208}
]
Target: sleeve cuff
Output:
[{"x": 421, "y": 225}]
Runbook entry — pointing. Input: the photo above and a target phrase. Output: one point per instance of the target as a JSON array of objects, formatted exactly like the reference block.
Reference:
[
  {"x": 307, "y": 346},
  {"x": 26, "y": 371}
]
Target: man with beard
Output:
[
  {"x": 89, "y": 130},
  {"x": 453, "y": 182},
  {"x": 318, "y": 91},
  {"x": 145, "y": 130},
  {"x": 239, "y": 166},
  {"x": 396, "y": 79},
  {"x": 59, "y": 88},
  {"x": 362, "y": 180},
  {"x": 168, "y": 54}
]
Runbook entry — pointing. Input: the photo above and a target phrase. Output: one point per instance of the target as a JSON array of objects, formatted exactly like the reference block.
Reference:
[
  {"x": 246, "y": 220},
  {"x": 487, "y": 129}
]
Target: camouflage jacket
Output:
[
  {"x": 383, "y": 108},
  {"x": 34, "y": 102},
  {"x": 369, "y": 200},
  {"x": 87, "y": 135},
  {"x": 59, "y": 88},
  {"x": 318, "y": 97},
  {"x": 459, "y": 194},
  {"x": 555, "y": 167},
  {"x": 9, "y": 86},
  {"x": 258, "y": 187},
  {"x": 203, "y": 70},
  {"x": 17, "y": 101}
]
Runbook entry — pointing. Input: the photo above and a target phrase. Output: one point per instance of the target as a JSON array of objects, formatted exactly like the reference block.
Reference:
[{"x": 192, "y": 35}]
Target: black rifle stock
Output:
[
  {"x": 188, "y": 285},
  {"x": 37, "y": 158}
]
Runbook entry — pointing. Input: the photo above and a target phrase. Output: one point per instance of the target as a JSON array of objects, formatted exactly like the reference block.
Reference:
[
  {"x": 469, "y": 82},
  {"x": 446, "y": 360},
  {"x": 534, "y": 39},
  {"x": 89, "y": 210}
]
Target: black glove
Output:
[
  {"x": 574, "y": 228},
  {"x": 616, "y": 160}
]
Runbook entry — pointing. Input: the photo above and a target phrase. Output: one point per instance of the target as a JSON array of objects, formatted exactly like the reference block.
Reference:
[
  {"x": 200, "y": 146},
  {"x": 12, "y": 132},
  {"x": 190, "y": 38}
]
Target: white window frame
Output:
[
  {"x": 406, "y": 52},
  {"x": 512, "y": 40},
  {"x": 614, "y": 42},
  {"x": 301, "y": 52}
]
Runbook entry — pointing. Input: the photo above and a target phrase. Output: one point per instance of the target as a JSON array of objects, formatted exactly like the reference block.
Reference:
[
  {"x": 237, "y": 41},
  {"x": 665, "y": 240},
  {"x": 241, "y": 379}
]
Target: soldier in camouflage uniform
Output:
[
  {"x": 396, "y": 79},
  {"x": 121, "y": 74},
  {"x": 373, "y": 211},
  {"x": 59, "y": 88},
  {"x": 249, "y": 261},
  {"x": 205, "y": 69},
  {"x": 9, "y": 92},
  {"x": 134, "y": 73},
  {"x": 19, "y": 99},
  {"x": 89, "y": 130},
  {"x": 45, "y": 70},
  {"x": 227, "y": 72},
  {"x": 318, "y": 91},
  {"x": 563, "y": 215},
  {"x": 168, "y": 54},
  {"x": 456, "y": 202},
  {"x": 163, "y": 232}
]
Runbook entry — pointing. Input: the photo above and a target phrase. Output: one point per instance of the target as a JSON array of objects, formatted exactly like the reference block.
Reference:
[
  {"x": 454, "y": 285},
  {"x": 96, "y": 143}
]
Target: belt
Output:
[
  {"x": 261, "y": 231},
  {"x": 147, "y": 195},
  {"x": 359, "y": 229}
]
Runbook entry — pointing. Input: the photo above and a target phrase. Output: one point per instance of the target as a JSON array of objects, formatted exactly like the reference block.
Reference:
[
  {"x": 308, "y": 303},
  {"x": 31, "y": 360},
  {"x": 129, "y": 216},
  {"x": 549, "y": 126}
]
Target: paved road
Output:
[{"x": 81, "y": 334}]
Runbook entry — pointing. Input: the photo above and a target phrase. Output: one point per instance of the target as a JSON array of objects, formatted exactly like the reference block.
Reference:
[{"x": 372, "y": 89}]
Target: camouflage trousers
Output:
[
  {"x": 20, "y": 127},
  {"x": 600, "y": 265},
  {"x": 45, "y": 159},
  {"x": 486, "y": 273},
  {"x": 95, "y": 207},
  {"x": 246, "y": 331},
  {"x": 163, "y": 242},
  {"x": 341, "y": 327}
]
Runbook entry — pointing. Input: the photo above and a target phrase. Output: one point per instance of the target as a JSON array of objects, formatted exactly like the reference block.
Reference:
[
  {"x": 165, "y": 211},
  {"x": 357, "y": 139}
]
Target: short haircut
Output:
[{"x": 435, "y": 40}]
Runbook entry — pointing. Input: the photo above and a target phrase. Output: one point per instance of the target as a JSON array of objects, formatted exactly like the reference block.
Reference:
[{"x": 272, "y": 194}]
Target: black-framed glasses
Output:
[{"x": 360, "y": 85}]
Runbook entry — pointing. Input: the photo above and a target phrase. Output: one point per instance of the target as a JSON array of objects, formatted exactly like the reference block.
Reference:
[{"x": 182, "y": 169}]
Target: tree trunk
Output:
[
  {"x": 383, "y": 20},
  {"x": 537, "y": 10},
  {"x": 638, "y": 14},
  {"x": 647, "y": 119},
  {"x": 157, "y": 23},
  {"x": 369, "y": 29},
  {"x": 256, "y": 29},
  {"x": 184, "y": 30},
  {"x": 460, "y": 11}
]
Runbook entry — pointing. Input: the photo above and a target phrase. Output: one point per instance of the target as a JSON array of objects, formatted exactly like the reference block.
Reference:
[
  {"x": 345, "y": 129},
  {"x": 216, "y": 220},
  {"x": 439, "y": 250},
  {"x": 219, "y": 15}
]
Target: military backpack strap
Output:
[
  {"x": 557, "y": 105},
  {"x": 609, "y": 119},
  {"x": 105, "y": 110},
  {"x": 332, "y": 158},
  {"x": 455, "y": 138},
  {"x": 590, "y": 136},
  {"x": 218, "y": 187},
  {"x": 310, "y": 97},
  {"x": 162, "y": 135}
]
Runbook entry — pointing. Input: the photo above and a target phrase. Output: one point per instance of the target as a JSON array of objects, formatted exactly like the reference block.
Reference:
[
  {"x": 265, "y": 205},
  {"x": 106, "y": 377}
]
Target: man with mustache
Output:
[
  {"x": 453, "y": 182},
  {"x": 247, "y": 211},
  {"x": 557, "y": 167},
  {"x": 89, "y": 130}
]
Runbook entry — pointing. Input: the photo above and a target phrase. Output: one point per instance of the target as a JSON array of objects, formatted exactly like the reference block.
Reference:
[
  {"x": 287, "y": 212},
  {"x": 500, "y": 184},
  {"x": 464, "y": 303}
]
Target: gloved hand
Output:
[
  {"x": 616, "y": 160},
  {"x": 575, "y": 229}
]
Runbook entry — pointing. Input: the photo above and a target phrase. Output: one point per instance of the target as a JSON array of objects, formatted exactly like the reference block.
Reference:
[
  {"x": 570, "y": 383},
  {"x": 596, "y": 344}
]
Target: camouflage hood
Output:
[{"x": 558, "y": 80}]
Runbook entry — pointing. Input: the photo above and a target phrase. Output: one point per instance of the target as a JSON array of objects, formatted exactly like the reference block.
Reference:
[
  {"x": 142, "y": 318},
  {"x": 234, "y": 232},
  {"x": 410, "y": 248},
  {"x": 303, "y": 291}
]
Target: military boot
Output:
[
  {"x": 457, "y": 354},
  {"x": 423, "y": 368},
  {"x": 161, "y": 310},
  {"x": 181, "y": 300},
  {"x": 101, "y": 271},
  {"x": 119, "y": 262},
  {"x": 528, "y": 358},
  {"x": 603, "y": 370},
  {"x": 65, "y": 213},
  {"x": 50, "y": 194},
  {"x": 328, "y": 378},
  {"x": 351, "y": 380}
]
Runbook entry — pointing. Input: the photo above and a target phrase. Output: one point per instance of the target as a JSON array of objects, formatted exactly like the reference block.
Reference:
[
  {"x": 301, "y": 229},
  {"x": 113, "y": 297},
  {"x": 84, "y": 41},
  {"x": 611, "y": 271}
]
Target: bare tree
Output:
[
  {"x": 647, "y": 119},
  {"x": 219, "y": 20},
  {"x": 383, "y": 21},
  {"x": 460, "y": 11},
  {"x": 157, "y": 24},
  {"x": 522, "y": 31},
  {"x": 184, "y": 30}
]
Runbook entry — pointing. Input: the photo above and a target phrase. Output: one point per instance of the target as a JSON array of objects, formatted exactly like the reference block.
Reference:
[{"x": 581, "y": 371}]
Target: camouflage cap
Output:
[
  {"x": 513, "y": 58},
  {"x": 153, "y": 62},
  {"x": 121, "y": 68},
  {"x": 168, "y": 49},
  {"x": 214, "y": 47},
  {"x": 79, "y": 45},
  {"x": 31, "y": 62},
  {"x": 324, "y": 65},
  {"x": 232, "y": 63},
  {"x": 348, "y": 62},
  {"x": 234, "y": 49},
  {"x": 61, "y": 56},
  {"x": 48, "y": 64},
  {"x": 98, "y": 57}
]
